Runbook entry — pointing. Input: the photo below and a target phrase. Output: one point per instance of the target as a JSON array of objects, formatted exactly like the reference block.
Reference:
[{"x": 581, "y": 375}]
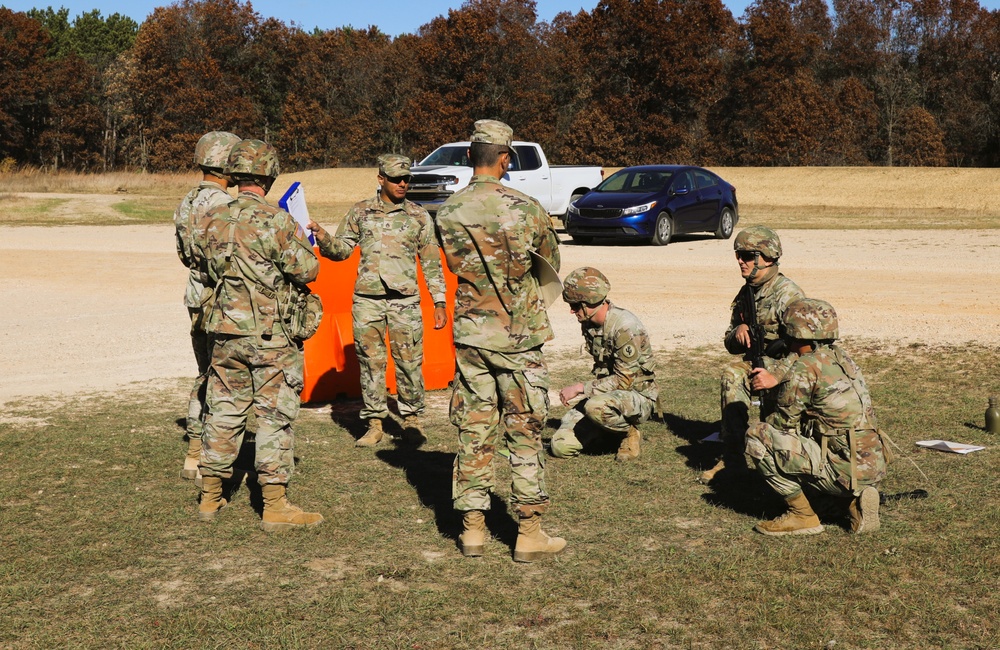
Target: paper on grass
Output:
[
  {"x": 954, "y": 447},
  {"x": 712, "y": 437},
  {"x": 294, "y": 203}
]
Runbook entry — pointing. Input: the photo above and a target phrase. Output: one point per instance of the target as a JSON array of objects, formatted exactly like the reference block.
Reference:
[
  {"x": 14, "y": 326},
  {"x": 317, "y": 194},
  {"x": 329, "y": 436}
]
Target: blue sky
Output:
[{"x": 393, "y": 17}]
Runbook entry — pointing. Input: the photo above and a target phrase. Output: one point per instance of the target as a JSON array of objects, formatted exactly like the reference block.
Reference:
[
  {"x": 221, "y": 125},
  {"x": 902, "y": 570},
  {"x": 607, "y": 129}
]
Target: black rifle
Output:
[{"x": 747, "y": 308}]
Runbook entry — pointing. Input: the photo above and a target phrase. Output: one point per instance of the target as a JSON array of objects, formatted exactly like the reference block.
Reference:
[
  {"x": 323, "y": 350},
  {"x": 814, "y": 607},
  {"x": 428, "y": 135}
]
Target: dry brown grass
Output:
[{"x": 783, "y": 197}]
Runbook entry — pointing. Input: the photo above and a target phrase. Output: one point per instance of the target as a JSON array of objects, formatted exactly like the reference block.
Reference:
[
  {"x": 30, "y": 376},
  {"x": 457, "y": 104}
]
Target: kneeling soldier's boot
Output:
[
  {"x": 799, "y": 520},
  {"x": 532, "y": 543},
  {"x": 629, "y": 449},
  {"x": 190, "y": 471},
  {"x": 211, "y": 498},
  {"x": 474, "y": 536},
  {"x": 709, "y": 474},
  {"x": 279, "y": 514},
  {"x": 864, "y": 511},
  {"x": 373, "y": 436},
  {"x": 413, "y": 433}
]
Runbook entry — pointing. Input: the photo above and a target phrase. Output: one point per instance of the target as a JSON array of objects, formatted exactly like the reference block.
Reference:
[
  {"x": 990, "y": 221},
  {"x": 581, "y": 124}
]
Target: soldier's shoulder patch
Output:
[{"x": 629, "y": 352}]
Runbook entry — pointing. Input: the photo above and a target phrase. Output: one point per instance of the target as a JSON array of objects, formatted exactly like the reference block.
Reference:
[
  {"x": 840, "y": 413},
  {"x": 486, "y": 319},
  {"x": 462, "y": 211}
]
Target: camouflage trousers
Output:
[
  {"x": 203, "y": 357},
  {"x": 372, "y": 316},
  {"x": 787, "y": 460},
  {"x": 489, "y": 385},
  {"x": 615, "y": 411},
  {"x": 735, "y": 400},
  {"x": 250, "y": 373}
]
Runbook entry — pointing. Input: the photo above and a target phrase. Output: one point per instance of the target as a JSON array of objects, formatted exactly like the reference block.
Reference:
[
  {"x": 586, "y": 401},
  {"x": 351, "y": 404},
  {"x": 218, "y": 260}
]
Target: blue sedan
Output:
[{"x": 655, "y": 202}]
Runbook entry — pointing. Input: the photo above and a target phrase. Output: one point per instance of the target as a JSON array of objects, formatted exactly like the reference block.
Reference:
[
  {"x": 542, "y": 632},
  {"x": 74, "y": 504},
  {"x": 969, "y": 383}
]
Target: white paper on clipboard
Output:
[
  {"x": 294, "y": 203},
  {"x": 549, "y": 283}
]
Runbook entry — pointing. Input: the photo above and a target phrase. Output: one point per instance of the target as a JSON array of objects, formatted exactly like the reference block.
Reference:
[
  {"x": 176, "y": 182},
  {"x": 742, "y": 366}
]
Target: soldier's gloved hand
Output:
[{"x": 566, "y": 395}]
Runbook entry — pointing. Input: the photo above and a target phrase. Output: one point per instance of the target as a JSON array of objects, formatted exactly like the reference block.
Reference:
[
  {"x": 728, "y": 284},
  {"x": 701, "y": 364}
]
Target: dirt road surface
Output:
[{"x": 90, "y": 308}]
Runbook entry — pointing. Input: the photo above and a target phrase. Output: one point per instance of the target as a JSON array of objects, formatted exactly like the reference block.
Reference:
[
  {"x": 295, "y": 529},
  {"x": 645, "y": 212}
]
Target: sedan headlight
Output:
[
  {"x": 639, "y": 209},
  {"x": 573, "y": 209}
]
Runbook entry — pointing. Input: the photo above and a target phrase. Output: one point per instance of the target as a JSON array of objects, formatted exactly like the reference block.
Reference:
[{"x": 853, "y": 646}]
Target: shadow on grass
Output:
[{"x": 430, "y": 473}]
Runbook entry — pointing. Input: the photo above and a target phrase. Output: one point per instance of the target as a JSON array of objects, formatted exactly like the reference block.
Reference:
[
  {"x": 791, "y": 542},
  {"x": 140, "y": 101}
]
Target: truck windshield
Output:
[
  {"x": 456, "y": 156},
  {"x": 632, "y": 180}
]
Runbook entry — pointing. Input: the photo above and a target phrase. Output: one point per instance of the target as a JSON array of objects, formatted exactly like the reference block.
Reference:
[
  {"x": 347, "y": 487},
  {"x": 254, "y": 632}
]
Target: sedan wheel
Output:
[
  {"x": 663, "y": 230},
  {"x": 725, "y": 230}
]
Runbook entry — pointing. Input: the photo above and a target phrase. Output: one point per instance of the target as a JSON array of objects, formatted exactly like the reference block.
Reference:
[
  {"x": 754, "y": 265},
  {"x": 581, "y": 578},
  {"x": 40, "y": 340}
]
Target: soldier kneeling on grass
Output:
[
  {"x": 623, "y": 392},
  {"x": 823, "y": 433}
]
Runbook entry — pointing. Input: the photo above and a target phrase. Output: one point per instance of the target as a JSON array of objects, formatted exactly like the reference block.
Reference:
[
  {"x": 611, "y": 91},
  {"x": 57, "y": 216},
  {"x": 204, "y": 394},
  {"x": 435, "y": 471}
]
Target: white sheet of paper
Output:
[
  {"x": 944, "y": 445},
  {"x": 294, "y": 203}
]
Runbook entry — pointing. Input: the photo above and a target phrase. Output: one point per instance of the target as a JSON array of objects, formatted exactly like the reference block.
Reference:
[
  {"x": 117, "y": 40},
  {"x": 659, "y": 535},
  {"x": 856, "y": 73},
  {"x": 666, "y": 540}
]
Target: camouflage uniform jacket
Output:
[
  {"x": 771, "y": 299},
  {"x": 487, "y": 232},
  {"x": 825, "y": 398},
  {"x": 195, "y": 205},
  {"x": 623, "y": 358},
  {"x": 256, "y": 262},
  {"x": 391, "y": 237}
]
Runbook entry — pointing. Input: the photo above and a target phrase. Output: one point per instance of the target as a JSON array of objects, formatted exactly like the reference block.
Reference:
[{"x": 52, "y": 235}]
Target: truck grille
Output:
[{"x": 600, "y": 213}]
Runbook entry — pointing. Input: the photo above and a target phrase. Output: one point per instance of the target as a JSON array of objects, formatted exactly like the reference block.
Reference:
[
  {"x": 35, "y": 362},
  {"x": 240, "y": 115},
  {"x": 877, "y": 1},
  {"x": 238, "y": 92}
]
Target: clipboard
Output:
[
  {"x": 294, "y": 203},
  {"x": 549, "y": 284}
]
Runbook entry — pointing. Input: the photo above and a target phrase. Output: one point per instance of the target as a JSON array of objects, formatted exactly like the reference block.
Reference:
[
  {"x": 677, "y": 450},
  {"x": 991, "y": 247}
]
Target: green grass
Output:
[
  {"x": 101, "y": 547},
  {"x": 146, "y": 211}
]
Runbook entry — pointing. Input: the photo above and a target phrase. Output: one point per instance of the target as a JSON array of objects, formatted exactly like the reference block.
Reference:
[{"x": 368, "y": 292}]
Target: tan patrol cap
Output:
[
  {"x": 394, "y": 165},
  {"x": 492, "y": 132}
]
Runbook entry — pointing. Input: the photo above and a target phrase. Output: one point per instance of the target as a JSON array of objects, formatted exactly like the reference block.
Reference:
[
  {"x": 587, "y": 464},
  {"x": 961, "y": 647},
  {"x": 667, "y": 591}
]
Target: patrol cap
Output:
[
  {"x": 810, "y": 319},
  {"x": 492, "y": 132},
  {"x": 394, "y": 165},
  {"x": 586, "y": 284},
  {"x": 760, "y": 239},
  {"x": 213, "y": 149}
]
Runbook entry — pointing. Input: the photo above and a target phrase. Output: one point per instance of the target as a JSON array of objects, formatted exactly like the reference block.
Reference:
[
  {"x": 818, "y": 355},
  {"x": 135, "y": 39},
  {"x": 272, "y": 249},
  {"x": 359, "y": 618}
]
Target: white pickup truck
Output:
[{"x": 446, "y": 170}]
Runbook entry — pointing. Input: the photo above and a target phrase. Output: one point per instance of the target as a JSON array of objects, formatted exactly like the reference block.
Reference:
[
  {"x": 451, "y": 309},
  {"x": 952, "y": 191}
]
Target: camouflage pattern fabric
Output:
[
  {"x": 623, "y": 391},
  {"x": 213, "y": 149},
  {"x": 372, "y": 316},
  {"x": 759, "y": 238},
  {"x": 772, "y": 296},
  {"x": 253, "y": 158},
  {"x": 487, "y": 232},
  {"x": 394, "y": 165},
  {"x": 586, "y": 284},
  {"x": 195, "y": 205},
  {"x": 252, "y": 373},
  {"x": 256, "y": 255},
  {"x": 824, "y": 411},
  {"x": 254, "y": 277},
  {"x": 489, "y": 386},
  {"x": 391, "y": 238}
]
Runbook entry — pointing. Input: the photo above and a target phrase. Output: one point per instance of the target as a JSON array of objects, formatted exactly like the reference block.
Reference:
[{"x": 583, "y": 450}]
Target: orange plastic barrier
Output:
[{"x": 331, "y": 365}]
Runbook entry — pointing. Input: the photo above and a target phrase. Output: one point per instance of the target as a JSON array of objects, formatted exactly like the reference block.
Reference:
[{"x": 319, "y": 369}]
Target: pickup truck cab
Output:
[{"x": 446, "y": 170}]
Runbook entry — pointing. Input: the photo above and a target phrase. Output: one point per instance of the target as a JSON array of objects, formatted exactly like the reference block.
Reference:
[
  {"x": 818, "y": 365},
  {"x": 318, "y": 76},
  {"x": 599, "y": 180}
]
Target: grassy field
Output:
[
  {"x": 101, "y": 547},
  {"x": 782, "y": 197}
]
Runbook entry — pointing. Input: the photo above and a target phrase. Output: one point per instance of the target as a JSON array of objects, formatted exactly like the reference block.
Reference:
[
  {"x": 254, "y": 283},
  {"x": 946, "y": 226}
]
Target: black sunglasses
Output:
[
  {"x": 396, "y": 180},
  {"x": 746, "y": 256}
]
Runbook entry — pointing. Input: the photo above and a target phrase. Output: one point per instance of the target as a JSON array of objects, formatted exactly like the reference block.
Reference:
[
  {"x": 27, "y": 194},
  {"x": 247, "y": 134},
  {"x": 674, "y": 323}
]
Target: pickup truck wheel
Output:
[
  {"x": 663, "y": 230},
  {"x": 581, "y": 239},
  {"x": 725, "y": 229}
]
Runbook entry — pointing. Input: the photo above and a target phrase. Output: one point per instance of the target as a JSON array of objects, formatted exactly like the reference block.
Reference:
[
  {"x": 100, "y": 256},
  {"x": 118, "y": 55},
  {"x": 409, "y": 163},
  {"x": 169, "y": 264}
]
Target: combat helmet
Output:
[
  {"x": 759, "y": 239},
  {"x": 212, "y": 150},
  {"x": 810, "y": 319},
  {"x": 586, "y": 284},
  {"x": 254, "y": 159}
]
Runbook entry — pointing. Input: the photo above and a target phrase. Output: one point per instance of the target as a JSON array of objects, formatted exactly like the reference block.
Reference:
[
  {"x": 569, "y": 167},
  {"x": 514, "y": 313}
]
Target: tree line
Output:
[{"x": 791, "y": 82}]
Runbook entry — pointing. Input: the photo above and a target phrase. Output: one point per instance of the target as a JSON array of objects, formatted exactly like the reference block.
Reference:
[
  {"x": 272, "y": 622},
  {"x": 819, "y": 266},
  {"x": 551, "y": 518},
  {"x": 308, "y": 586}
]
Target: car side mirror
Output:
[{"x": 679, "y": 191}]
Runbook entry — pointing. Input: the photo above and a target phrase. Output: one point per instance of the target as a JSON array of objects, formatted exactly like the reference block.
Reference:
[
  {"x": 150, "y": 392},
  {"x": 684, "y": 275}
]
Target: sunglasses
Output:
[
  {"x": 746, "y": 256},
  {"x": 576, "y": 306},
  {"x": 396, "y": 180}
]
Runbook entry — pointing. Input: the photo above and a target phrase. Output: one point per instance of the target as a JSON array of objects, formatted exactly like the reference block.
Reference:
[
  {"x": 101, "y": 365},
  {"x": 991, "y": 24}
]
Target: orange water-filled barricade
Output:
[{"x": 331, "y": 364}]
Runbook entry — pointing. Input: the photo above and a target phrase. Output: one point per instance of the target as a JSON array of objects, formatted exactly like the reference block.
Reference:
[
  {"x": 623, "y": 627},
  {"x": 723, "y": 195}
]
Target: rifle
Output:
[{"x": 747, "y": 308}]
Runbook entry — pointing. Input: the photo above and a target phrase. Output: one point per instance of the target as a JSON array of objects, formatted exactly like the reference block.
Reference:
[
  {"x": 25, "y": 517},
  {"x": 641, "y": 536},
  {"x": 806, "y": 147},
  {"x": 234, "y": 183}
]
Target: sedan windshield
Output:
[
  {"x": 457, "y": 156},
  {"x": 635, "y": 181}
]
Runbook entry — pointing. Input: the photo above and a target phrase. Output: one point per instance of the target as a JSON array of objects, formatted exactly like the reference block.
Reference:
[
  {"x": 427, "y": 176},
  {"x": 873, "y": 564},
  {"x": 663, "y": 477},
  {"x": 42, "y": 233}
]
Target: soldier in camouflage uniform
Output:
[
  {"x": 210, "y": 154},
  {"x": 391, "y": 232},
  {"x": 487, "y": 232},
  {"x": 823, "y": 432},
  {"x": 623, "y": 392},
  {"x": 757, "y": 251},
  {"x": 259, "y": 262}
]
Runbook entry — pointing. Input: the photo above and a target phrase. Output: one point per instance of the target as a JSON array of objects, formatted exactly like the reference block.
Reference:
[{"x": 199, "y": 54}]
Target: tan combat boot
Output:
[
  {"x": 532, "y": 543},
  {"x": 629, "y": 449},
  {"x": 279, "y": 514},
  {"x": 799, "y": 520},
  {"x": 373, "y": 436},
  {"x": 211, "y": 498},
  {"x": 474, "y": 536},
  {"x": 413, "y": 433},
  {"x": 190, "y": 471},
  {"x": 864, "y": 511},
  {"x": 709, "y": 474}
]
